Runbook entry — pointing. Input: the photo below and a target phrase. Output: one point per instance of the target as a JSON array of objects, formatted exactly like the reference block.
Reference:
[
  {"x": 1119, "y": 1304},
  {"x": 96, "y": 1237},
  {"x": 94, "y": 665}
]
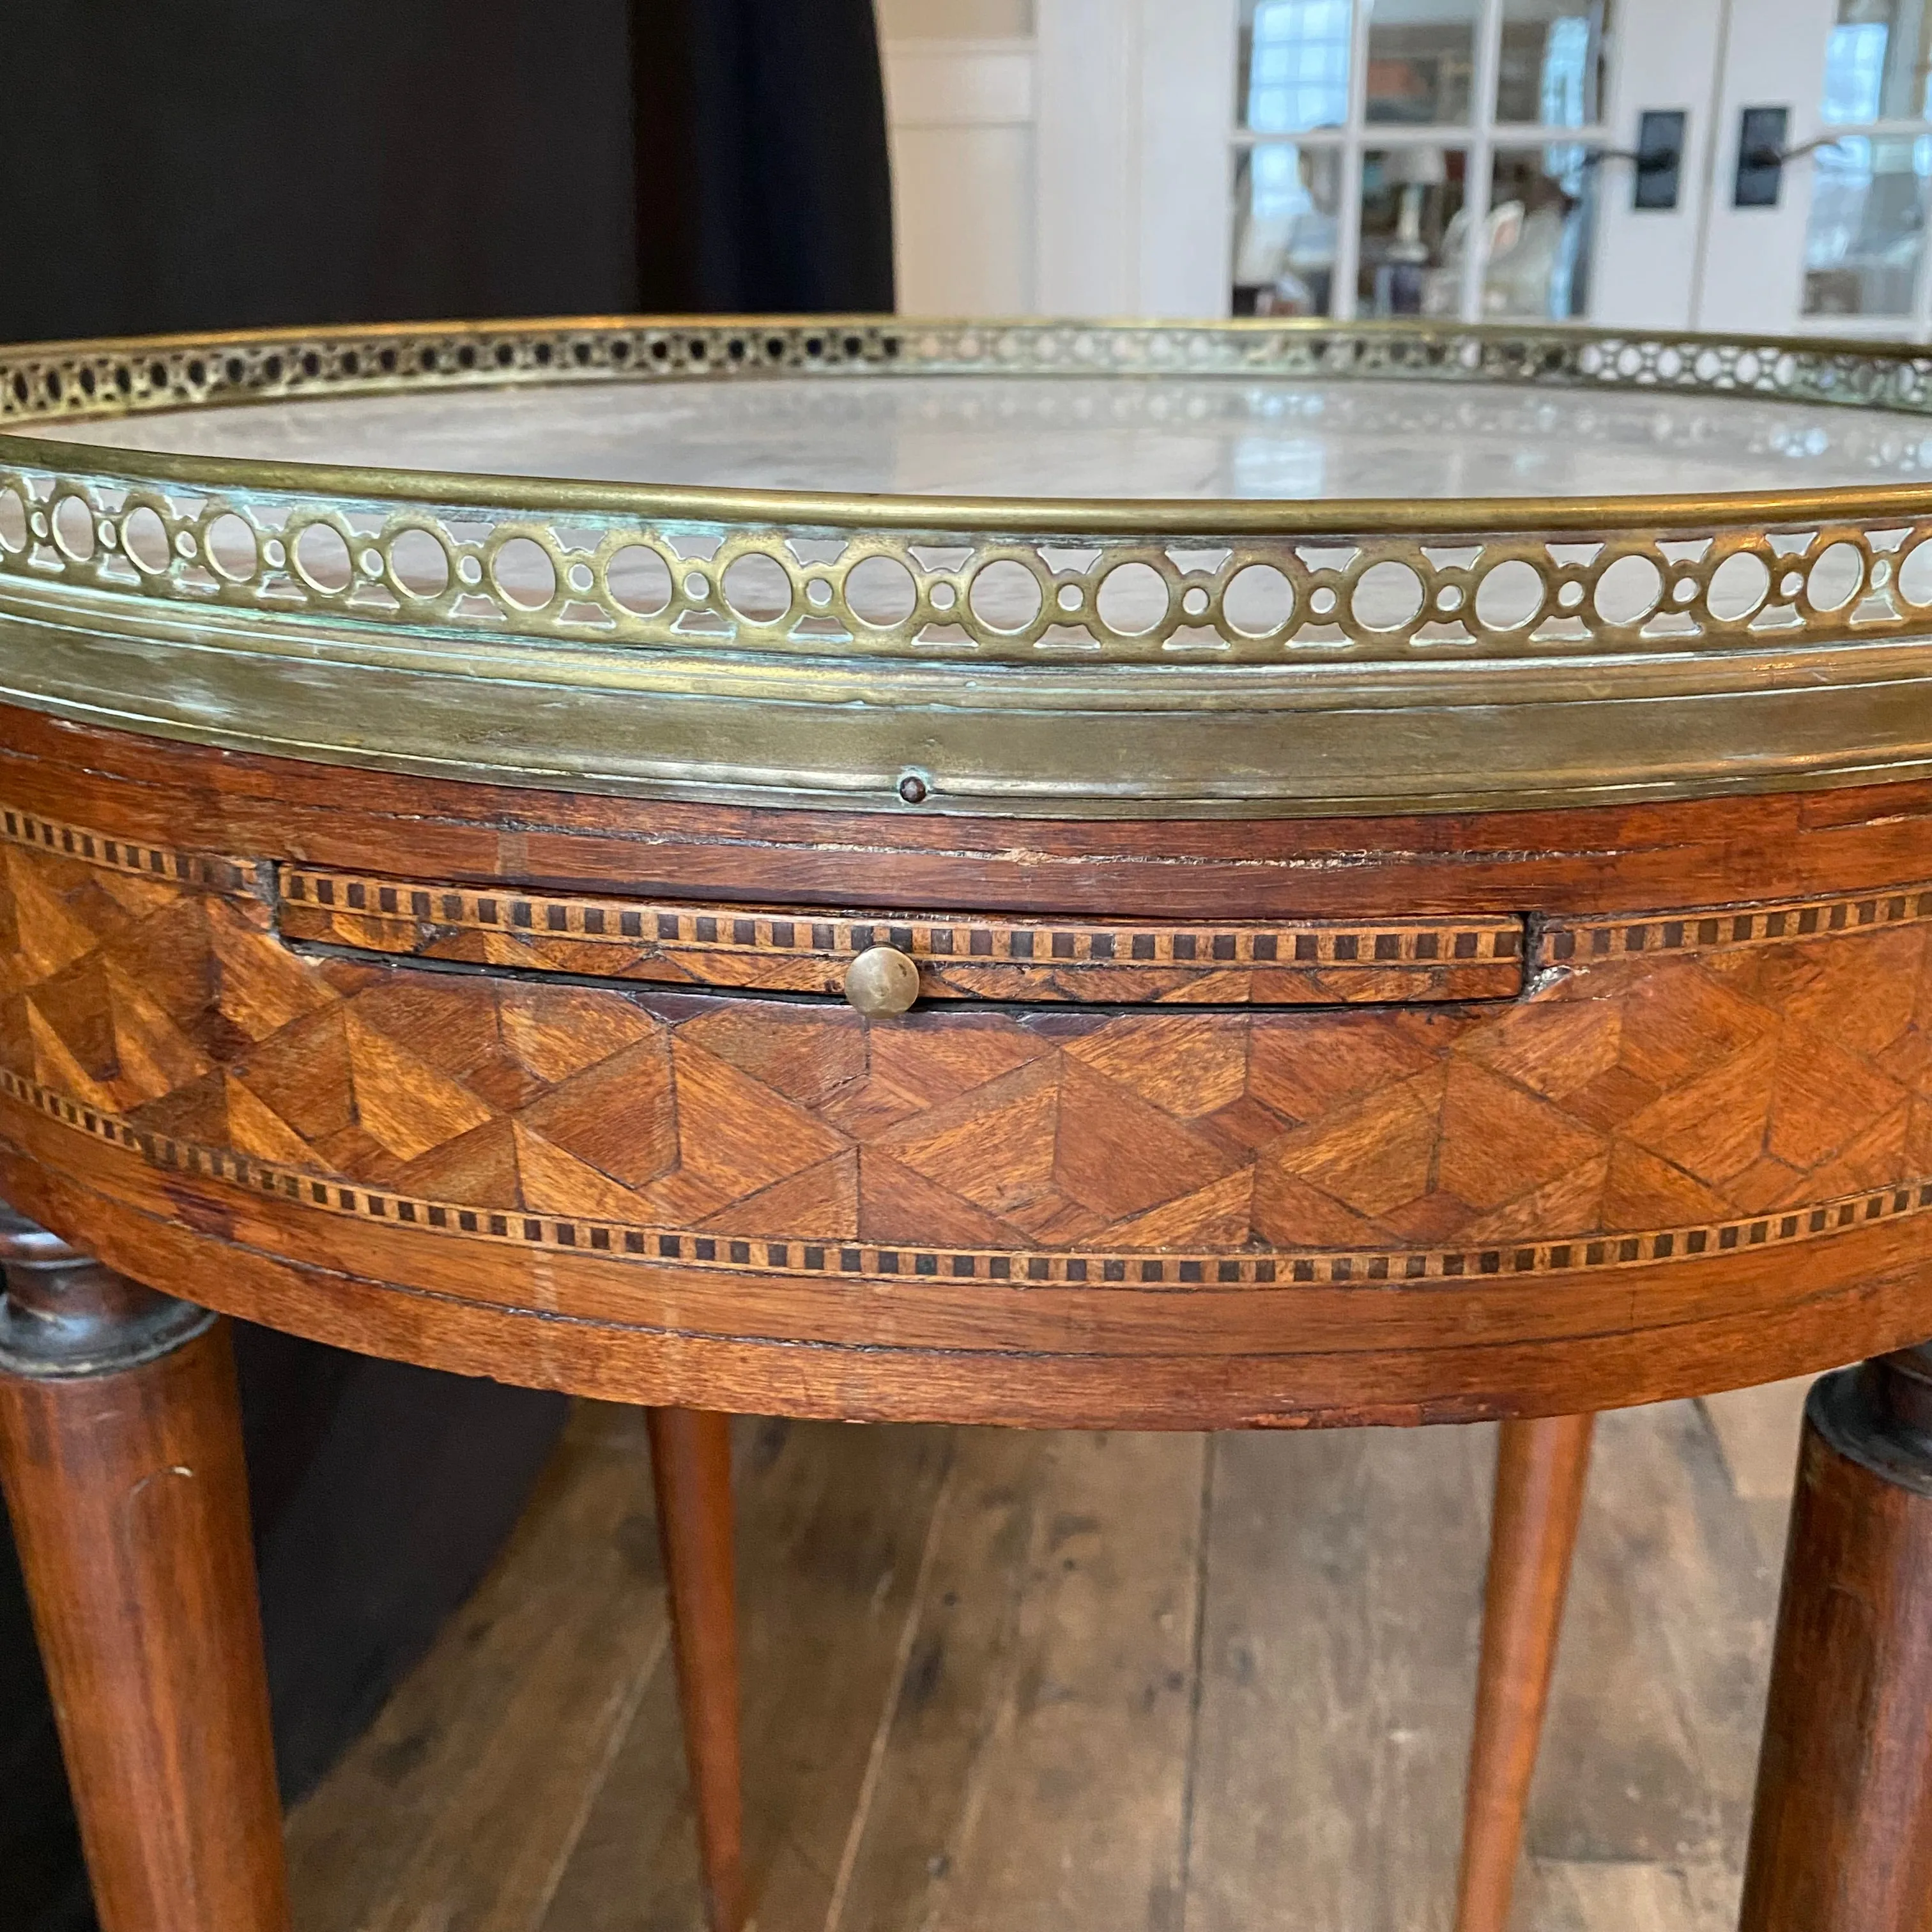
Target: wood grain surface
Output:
[
  {"x": 1714, "y": 852},
  {"x": 690, "y": 1467},
  {"x": 1109, "y": 1195},
  {"x": 1842, "y": 1836},
  {"x": 130, "y": 1504},
  {"x": 1306, "y": 963},
  {"x": 1071, "y": 1683},
  {"x": 1541, "y": 1470},
  {"x": 1731, "y": 1066}
]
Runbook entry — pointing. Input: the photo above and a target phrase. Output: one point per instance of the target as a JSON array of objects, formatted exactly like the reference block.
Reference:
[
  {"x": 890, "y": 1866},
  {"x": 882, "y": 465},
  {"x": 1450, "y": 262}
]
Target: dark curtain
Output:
[
  {"x": 235, "y": 163},
  {"x": 762, "y": 184},
  {"x": 230, "y": 163}
]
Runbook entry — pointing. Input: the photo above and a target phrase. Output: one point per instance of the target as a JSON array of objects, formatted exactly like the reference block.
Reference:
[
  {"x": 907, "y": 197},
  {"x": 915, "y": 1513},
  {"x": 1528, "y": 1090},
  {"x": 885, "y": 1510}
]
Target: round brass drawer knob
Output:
[{"x": 881, "y": 980}]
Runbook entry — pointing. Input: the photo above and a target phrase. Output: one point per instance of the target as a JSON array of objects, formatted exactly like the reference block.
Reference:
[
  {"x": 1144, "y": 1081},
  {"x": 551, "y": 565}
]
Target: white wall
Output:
[
  {"x": 1061, "y": 157},
  {"x": 954, "y": 19},
  {"x": 965, "y": 177}
]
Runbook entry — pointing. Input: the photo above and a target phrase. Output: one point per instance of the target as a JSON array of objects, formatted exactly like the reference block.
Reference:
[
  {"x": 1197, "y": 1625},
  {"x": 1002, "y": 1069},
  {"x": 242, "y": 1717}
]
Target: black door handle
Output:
[
  {"x": 1657, "y": 160},
  {"x": 1773, "y": 157},
  {"x": 1763, "y": 152},
  {"x": 1648, "y": 162}
]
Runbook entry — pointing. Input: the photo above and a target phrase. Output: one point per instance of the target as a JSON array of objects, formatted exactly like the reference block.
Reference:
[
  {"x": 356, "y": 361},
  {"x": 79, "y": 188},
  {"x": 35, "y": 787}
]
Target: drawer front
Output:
[
  {"x": 1670, "y": 1084},
  {"x": 1276, "y": 963}
]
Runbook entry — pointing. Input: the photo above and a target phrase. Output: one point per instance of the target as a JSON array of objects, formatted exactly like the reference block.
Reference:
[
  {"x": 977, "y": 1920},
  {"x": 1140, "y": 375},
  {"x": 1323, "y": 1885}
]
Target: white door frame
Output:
[
  {"x": 1134, "y": 102},
  {"x": 1666, "y": 57},
  {"x": 1752, "y": 258},
  {"x": 1754, "y": 277}
]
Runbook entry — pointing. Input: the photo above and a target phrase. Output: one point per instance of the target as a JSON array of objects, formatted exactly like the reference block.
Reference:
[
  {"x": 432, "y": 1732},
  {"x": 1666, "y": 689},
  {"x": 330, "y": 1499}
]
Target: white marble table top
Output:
[{"x": 1054, "y": 436}]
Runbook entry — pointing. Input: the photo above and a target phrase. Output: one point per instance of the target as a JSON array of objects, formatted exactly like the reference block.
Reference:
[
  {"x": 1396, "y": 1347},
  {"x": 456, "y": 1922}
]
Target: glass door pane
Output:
[
  {"x": 1550, "y": 61},
  {"x": 1292, "y": 78},
  {"x": 1422, "y": 61},
  {"x": 1542, "y": 219},
  {"x": 1286, "y": 199},
  {"x": 1876, "y": 66},
  {"x": 1842, "y": 247},
  {"x": 1413, "y": 234},
  {"x": 1294, "y": 65},
  {"x": 1418, "y": 157},
  {"x": 1866, "y": 239}
]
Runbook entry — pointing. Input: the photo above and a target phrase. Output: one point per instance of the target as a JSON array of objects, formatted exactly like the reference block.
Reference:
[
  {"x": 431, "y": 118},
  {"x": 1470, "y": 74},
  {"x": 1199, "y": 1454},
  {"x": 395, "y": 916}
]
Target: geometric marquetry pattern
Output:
[
  {"x": 1309, "y": 962},
  {"x": 1639, "y": 1094},
  {"x": 573, "y": 1234}
]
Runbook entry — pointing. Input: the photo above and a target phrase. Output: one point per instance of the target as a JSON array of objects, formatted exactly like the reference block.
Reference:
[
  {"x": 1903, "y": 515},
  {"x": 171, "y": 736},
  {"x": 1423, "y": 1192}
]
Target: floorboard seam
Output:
[
  {"x": 627, "y": 1715},
  {"x": 1204, "y": 1525},
  {"x": 848, "y": 1857}
]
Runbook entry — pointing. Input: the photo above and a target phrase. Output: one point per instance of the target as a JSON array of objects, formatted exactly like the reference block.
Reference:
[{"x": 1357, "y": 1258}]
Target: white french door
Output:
[
  {"x": 1755, "y": 166},
  {"x": 1488, "y": 159},
  {"x": 1818, "y": 198},
  {"x": 1759, "y": 166}
]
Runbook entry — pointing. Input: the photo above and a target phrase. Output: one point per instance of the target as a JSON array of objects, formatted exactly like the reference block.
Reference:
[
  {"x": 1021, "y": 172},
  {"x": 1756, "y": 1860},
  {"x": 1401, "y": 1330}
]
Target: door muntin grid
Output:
[
  {"x": 1865, "y": 257},
  {"x": 1418, "y": 157}
]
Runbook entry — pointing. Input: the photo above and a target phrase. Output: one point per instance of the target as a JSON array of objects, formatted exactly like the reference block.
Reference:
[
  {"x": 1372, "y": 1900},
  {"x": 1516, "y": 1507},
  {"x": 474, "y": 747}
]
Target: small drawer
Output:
[{"x": 975, "y": 956}]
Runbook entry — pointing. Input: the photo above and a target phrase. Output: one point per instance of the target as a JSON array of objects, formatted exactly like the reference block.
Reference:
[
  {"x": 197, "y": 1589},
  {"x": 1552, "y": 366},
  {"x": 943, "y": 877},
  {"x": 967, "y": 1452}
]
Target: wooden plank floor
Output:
[{"x": 996, "y": 1681}]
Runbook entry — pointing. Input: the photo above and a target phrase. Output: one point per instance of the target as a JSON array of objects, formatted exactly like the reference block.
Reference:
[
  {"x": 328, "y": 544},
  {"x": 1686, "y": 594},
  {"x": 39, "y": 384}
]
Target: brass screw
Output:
[{"x": 881, "y": 980}]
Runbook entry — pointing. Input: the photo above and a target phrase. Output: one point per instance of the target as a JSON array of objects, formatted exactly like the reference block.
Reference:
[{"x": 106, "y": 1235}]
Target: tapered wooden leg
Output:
[
  {"x": 691, "y": 1460},
  {"x": 1841, "y": 1839},
  {"x": 1541, "y": 1468},
  {"x": 121, "y": 1454}
]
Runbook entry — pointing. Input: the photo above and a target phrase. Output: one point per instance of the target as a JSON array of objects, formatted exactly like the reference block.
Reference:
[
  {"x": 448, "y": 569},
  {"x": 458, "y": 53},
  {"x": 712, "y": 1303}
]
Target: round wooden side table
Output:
[{"x": 1420, "y": 913}]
